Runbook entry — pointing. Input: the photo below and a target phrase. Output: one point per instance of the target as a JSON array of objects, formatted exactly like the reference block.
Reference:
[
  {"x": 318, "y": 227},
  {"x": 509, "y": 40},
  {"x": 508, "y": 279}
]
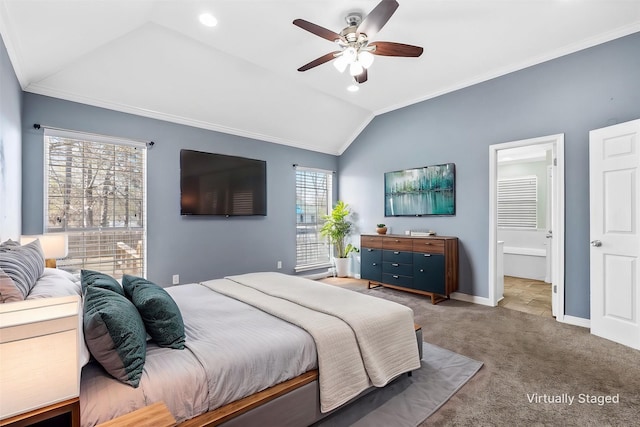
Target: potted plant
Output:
[
  {"x": 336, "y": 228},
  {"x": 381, "y": 229}
]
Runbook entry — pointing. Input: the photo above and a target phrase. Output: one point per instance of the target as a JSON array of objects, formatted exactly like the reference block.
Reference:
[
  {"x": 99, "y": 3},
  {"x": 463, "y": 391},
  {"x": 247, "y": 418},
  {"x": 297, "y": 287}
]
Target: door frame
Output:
[{"x": 558, "y": 202}]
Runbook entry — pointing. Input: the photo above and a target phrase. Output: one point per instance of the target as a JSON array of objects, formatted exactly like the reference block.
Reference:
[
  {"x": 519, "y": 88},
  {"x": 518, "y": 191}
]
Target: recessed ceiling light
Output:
[
  {"x": 208, "y": 20},
  {"x": 353, "y": 88}
]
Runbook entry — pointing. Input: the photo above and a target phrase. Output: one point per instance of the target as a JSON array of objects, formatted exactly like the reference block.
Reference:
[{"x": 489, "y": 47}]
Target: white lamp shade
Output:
[
  {"x": 365, "y": 58},
  {"x": 53, "y": 245},
  {"x": 39, "y": 342},
  {"x": 340, "y": 63},
  {"x": 350, "y": 54},
  {"x": 355, "y": 68}
]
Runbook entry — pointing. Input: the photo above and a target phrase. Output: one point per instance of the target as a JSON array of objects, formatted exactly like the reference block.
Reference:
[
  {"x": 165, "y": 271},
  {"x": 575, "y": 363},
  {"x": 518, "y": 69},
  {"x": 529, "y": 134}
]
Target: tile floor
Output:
[{"x": 527, "y": 295}]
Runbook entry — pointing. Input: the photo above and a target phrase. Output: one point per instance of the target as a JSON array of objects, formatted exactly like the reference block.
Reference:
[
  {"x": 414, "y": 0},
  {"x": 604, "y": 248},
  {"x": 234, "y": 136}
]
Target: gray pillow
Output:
[
  {"x": 100, "y": 280},
  {"x": 6, "y": 245},
  {"x": 159, "y": 312},
  {"x": 115, "y": 334},
  {"x": 24, "y": 264}
]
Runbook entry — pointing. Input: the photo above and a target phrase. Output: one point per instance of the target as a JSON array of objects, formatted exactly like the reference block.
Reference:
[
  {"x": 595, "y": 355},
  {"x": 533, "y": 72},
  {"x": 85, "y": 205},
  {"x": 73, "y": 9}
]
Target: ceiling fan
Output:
[{"x": 356, "y": 49}]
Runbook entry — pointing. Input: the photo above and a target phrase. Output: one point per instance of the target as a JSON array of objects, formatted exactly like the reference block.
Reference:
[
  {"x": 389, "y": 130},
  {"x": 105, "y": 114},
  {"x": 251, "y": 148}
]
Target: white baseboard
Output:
[{"x": 471, "y": 298}]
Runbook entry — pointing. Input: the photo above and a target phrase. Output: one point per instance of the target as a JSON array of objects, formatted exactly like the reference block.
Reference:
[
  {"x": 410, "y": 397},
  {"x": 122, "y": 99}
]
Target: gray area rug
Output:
[{"x": 408, "y": 401}]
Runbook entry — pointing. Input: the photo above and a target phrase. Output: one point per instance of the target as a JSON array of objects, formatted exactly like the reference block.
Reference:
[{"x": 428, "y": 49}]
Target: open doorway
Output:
[{"x": 526, "y": 217}]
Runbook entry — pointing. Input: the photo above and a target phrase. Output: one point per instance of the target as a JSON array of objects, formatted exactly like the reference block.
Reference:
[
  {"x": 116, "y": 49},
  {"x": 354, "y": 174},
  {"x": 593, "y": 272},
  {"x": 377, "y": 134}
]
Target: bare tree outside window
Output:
[{"x": 96, "y": 194}]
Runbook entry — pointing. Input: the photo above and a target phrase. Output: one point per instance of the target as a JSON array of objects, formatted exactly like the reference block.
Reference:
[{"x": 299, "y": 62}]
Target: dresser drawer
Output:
[
  {"x": 397, "y": 268},
  {"x": 397, "y": 256},
  {"x": 397, "y": 244},
  {"x": 432, "y": 246},
  {"x": 397, "y": 280},
  {"x": 371, "y": 242},
  {"x": 371, "y": 264}
]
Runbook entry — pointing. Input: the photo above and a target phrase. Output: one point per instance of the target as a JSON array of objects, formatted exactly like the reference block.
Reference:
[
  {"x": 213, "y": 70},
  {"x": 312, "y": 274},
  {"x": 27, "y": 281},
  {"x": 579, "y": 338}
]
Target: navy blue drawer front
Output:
[
  {"x": 397, "y": 268},
  {"x": 371, "y": 264},
  {"x": 398, "y": 280},
  {"x": 397, "y": 256},
  {"x": 429, "y": 273}
]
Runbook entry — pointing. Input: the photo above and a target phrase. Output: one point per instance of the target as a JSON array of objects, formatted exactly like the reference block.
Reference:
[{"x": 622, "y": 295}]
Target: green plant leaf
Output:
[{"x": 337, "y": 227}]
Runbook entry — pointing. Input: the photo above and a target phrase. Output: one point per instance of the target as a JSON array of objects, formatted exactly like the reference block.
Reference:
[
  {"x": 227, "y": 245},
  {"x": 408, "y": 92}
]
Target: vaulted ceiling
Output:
[{"x": 153, "y": 57}]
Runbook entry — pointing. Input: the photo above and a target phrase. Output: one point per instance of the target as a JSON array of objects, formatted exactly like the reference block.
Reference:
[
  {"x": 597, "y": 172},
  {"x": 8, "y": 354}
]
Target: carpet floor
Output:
[
  {"x": 533, "y": 365},
  {"x": 409, "y": 400}
]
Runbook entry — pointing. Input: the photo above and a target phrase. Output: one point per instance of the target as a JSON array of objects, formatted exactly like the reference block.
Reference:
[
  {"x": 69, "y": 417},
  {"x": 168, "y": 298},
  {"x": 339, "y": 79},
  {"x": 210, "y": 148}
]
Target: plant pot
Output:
[
  {"x": 342, "y": 267},
  {"x": 381, "y": 230}
]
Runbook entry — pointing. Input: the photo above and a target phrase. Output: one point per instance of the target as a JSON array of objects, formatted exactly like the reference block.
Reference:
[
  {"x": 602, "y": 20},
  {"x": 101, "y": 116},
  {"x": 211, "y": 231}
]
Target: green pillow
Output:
[
  {"x": 99, "y": 280},
  {"x": 115, "y": 334},
  {"x": 160, "y": 313}
]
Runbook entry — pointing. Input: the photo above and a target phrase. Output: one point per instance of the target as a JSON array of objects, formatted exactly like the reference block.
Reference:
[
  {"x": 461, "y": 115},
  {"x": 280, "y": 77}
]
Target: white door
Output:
[{"x": 614, "y": 175}]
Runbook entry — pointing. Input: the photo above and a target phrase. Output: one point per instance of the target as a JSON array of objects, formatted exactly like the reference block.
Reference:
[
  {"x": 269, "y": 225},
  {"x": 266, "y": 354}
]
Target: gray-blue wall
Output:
[
  {"x": 195, "y": 248},
  {"x": 10, "y": 148},
  {"x": 574, "y": 94}
]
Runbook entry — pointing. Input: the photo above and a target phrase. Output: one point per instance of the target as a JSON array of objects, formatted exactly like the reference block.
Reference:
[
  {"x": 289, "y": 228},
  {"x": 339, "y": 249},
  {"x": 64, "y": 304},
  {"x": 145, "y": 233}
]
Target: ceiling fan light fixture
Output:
[
  {"x": 340, "y": 63},
  {"x": 353, "y": 48},
  {"x": 365, "y": 58},
  {"x": 355, "y": 68},
  {"x": 350, "y": 54}
]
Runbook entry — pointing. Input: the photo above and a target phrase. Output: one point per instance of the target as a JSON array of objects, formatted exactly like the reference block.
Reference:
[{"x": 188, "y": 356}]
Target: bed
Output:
[{"x": 260, "y": 348}]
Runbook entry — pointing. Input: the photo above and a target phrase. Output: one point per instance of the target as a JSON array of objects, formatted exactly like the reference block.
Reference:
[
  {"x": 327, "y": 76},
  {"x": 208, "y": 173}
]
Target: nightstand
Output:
[
  {"x": 71, "y": 406},
  {"x": 40, "y": 375}
]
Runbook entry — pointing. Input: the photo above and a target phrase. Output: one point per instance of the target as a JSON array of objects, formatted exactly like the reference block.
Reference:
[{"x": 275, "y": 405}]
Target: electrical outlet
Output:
[
  {"x": 176, "y": 279},
  {"x": 279, "y": 265}
]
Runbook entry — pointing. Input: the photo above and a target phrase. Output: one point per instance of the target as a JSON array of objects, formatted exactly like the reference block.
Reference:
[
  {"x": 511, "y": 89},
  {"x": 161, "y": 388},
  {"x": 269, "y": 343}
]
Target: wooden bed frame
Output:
[{"x": 295, "y": 402}]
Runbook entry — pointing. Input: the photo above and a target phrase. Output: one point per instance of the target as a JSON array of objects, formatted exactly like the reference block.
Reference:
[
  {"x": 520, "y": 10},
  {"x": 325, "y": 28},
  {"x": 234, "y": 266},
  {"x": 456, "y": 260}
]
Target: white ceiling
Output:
[{"x": 153, "y": 58}]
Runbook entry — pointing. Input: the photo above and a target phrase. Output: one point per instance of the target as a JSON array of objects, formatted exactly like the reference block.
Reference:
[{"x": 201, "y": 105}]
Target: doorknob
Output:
[{"x": 596, "y": 243}]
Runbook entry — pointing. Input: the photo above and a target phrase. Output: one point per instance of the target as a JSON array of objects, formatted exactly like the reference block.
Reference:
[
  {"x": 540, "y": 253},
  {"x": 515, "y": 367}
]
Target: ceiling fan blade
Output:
[
  {"x": 362, "y": 77},
  {"x": 396, "y": 49},
  {"x": 317, "y": 30},
  {"x": 319, "y": 61},
  {"x": 379, "y": 16}
]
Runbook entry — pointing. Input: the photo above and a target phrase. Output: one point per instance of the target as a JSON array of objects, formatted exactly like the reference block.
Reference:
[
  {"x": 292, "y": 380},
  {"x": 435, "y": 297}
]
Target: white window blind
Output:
[
  {"x": 95, "y": 192},
  {"x": 518, "y": 202},
  {"x": 313, "y": 201}
]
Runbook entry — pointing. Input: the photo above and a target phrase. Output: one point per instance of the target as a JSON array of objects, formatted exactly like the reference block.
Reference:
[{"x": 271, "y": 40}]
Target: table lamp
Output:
[{"x": 54, "y": 246}]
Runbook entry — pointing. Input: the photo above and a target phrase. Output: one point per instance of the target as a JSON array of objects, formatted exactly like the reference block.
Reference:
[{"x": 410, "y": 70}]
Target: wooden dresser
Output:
[{"x": 422, "y": 265}]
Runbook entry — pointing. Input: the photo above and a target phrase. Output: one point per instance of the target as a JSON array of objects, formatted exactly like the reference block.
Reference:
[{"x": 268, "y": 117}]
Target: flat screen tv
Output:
[
  {"x": 217, "y": 184},
  {"x": 430, "y": 190}
]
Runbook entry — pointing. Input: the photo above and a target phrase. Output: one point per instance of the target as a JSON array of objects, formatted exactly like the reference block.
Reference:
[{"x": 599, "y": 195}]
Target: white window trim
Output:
[
  {"x": 309, "y": 267},
  {"x": 78, "y": 135}
]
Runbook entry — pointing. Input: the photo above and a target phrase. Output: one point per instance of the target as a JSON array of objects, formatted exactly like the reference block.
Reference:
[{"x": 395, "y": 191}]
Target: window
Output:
[
  {"x": 95, "y": 192},
  {"x": 313, "y": 200},
  {"x": 518, "y": 202}
]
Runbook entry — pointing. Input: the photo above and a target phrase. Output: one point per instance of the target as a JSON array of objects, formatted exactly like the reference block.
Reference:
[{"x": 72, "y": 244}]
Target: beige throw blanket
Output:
[{"x": 361, "y": 340}]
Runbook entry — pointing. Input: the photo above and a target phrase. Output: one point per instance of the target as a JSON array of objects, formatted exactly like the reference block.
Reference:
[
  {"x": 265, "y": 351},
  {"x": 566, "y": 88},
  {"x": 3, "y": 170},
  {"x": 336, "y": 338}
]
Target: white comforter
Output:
[{"x": 361, "y": 340}]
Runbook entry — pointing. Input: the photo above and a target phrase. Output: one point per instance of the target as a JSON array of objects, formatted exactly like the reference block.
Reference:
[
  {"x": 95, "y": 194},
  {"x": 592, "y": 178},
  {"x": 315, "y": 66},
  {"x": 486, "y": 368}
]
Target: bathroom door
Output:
[{"x": 614, "y": 177}]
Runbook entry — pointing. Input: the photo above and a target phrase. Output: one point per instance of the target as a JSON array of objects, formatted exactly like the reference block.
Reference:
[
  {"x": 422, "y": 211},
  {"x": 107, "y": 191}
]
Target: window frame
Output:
[
  {"x": 130, "y": 264},
  {"x": 320, "y": 262}
]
